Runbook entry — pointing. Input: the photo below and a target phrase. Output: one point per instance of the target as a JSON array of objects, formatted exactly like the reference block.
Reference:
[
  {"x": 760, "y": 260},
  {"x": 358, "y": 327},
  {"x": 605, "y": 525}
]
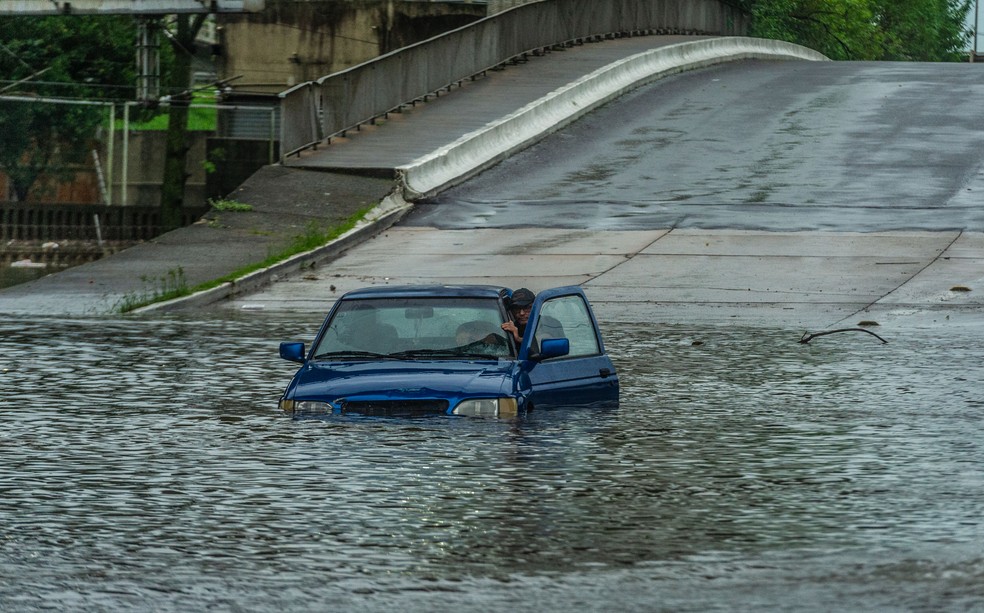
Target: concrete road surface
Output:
[{"x": 795, "y": 194}]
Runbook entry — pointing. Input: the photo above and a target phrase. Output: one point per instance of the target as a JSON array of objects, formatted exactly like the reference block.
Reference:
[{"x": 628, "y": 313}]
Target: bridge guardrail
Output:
[{"x": 314, "y": 111}]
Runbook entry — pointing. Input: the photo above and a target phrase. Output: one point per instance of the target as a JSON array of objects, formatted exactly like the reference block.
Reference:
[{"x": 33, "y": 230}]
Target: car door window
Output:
[{"x": 568, "y": 317}]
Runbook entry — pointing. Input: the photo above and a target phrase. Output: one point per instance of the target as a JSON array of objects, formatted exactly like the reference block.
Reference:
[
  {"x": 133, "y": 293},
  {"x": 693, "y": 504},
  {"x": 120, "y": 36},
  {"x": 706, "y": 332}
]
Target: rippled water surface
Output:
[{"x": 143, "y": 465}]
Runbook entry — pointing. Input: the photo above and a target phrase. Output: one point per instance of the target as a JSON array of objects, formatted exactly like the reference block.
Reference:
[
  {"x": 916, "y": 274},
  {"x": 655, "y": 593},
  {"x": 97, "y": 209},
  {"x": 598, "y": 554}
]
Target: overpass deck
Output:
[{"x": 421, "y": 128}]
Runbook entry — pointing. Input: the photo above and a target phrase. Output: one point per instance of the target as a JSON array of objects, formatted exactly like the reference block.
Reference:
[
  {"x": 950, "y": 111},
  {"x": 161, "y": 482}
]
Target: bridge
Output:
[{"x": 818, "y": 257}]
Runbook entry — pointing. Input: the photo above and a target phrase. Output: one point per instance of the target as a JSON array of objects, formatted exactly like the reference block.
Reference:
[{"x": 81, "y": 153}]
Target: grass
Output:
[
  {"x": 200, "y": 119},
  {"x": 225, "y": 204},
  {"x": 173, "y": 284},
  {"x": 167, "y": 287}
]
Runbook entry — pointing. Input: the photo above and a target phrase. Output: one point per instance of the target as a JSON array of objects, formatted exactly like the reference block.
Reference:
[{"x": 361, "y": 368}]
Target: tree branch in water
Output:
[{"x": 807, "y": 337}]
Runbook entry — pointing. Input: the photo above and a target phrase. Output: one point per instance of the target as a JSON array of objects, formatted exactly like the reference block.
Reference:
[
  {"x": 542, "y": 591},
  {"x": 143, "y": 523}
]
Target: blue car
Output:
[{"x": 419, "y": 350}]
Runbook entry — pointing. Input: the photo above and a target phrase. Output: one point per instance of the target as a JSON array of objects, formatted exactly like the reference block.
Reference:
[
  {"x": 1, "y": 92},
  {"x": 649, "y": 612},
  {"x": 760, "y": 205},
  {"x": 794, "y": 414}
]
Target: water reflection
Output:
[{"x": 143, "y": 463}]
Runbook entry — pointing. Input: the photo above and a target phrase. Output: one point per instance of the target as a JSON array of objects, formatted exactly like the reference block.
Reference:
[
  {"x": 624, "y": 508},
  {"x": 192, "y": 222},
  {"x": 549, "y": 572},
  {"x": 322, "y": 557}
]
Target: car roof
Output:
[{"x": 425, "y": 291}]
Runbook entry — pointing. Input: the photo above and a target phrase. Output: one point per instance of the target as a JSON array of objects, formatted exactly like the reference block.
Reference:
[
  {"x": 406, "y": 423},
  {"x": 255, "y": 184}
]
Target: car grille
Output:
[{"x": 396, "y": 408}]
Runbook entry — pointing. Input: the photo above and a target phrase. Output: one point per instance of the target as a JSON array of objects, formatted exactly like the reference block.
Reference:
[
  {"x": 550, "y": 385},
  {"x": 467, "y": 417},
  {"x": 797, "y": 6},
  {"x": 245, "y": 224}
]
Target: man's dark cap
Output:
[{"x": 521, "y": 298}]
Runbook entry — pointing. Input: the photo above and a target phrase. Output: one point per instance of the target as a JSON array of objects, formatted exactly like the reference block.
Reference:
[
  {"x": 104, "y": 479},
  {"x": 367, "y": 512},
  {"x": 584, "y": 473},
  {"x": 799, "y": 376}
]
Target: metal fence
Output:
[
  {"x": 246, "y": 122},
  {"x": 315, "y": 111},
  {"x": 251, "y": 122},
  {"x": 124, "y": 162},
  {"x": 53, "y": 222},
  {"x": 89, "y": 173}
]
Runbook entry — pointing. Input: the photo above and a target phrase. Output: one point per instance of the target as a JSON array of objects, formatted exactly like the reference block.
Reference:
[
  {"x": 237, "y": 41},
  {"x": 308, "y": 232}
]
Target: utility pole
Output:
[
  {"x": 977, "y": 17},
  {"x": 148, "y": 58}
]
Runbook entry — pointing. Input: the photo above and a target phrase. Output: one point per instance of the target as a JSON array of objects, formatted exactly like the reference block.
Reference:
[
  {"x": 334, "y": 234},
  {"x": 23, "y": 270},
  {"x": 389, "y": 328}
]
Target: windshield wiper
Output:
[
  {"x": 440, "y": 353},
  {"x": 350, "y": 354},
  {"x": 413, "y": 353}
]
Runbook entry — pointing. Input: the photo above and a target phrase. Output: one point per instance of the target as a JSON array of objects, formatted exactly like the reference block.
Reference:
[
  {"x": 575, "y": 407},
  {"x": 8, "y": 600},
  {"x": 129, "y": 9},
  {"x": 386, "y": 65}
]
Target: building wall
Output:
[
  {"x": 80, "y": 186},
  {"x": 293, "y": 41},
  {"x": 497, "y": 6},
  {"x": 145, "y": 168}
]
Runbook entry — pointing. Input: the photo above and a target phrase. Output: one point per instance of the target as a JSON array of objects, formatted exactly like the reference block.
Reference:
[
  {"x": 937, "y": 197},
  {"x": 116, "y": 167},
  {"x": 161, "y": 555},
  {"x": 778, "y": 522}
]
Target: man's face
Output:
[{"x": 521, "y": 314}]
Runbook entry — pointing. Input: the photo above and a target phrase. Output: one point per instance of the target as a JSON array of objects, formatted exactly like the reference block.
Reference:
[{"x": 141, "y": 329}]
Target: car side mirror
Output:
[
  {"x": 292, "y": 351},
  {"x": 554, "y": 348}
]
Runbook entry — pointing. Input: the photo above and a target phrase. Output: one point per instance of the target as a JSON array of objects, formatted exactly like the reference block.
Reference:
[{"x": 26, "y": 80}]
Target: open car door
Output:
[{"x": 585, "y": 375}]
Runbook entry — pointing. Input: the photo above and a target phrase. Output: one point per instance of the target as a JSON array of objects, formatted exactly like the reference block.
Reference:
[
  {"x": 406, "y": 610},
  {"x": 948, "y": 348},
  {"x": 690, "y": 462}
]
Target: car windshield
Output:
[{"x": 407, "y": 328}]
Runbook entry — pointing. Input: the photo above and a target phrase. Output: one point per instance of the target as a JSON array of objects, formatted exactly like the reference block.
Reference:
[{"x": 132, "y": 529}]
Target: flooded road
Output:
[{"x": 143, "y": 465}]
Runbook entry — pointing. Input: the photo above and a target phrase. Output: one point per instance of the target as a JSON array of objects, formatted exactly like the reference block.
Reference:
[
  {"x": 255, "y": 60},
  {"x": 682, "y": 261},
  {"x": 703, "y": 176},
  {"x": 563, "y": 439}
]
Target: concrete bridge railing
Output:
[{"x": 317, "y": 110}]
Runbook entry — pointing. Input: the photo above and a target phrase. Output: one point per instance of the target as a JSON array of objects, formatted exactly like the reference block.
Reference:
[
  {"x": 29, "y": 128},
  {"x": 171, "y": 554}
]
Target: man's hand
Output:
[{"x": 511, "y": 328}]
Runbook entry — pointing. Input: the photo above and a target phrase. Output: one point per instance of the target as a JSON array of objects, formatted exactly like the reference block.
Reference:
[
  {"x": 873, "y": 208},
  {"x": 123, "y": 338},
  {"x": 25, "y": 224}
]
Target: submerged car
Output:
[{"x": 417, "y": 350}]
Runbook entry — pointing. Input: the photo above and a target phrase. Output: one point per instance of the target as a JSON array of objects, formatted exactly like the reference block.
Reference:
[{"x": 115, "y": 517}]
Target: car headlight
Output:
[
  {"x": 305, "y": 406},
  {"x": 487, "y": 407}
]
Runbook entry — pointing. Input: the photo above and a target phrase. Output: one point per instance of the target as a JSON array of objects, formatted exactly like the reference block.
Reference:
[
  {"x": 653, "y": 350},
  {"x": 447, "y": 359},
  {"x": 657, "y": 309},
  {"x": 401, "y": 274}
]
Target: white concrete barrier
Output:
[{"x": 478, "y": 150}]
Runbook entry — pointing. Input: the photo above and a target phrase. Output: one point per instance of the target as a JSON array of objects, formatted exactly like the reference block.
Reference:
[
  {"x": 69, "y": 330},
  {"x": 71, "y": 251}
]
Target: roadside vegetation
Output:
[
  {"x": 78, "y": 59},
  {"x": 168, "y": 286},
  {"x": 174, "y": 285},
  {"x": 87, "y": 59},
  {"x": 228, "y": 204},
  {"x": 200, "y": 118},
  {"x": 891, "y": 30}
]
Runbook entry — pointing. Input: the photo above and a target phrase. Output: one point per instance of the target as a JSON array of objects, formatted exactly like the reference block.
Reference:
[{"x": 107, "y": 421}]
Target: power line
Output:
[
  {"x": 16, "y": 57},
  {"x": 24, "y": 80},
  {"x": 100, "y": 92},
  {"x": 68, "y": 84}
]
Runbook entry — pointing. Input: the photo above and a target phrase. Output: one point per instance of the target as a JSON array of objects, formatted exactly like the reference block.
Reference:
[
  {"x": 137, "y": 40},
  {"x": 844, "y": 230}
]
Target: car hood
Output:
[{"x": 329, "y": 382}]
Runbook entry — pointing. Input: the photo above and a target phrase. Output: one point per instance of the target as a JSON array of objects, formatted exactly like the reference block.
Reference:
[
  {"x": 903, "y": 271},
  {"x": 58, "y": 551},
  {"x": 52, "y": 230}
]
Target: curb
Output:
[
  {"x": 497, "y": 140},
  {"x": 384, "y": 215}
]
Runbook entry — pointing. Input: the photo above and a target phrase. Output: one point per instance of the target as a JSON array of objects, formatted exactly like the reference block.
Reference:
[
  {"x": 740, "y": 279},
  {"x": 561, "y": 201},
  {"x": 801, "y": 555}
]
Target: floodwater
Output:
[{"x": 143, "y": 465}]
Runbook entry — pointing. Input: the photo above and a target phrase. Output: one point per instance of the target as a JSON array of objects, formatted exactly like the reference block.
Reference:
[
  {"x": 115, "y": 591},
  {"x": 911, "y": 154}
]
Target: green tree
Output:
[
  {"x": 923, "y": 30},
  {"x": 840, "y": 29},
  {"x": 84, "y": 58},
  {"x": 916, "y": 30}
]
